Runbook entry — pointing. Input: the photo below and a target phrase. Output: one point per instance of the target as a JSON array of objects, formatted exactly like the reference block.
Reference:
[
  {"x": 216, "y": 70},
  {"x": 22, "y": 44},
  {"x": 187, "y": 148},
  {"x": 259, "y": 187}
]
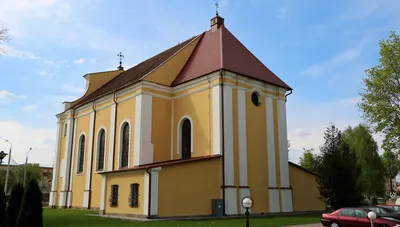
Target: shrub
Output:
[
  {"x": 31, "y": 213},
  {"x": 14, "y": 205},
  {"x": 2, "y": 206}
]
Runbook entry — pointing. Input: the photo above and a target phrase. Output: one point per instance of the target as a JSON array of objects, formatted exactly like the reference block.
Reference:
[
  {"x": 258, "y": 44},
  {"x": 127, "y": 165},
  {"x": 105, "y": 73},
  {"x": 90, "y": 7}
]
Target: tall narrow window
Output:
[
  {"x": 81, "y": 154},
  {"x": 125, "y": 146},
  {"x": 186, "y": 139},
  {"x": 100, "y": 150},
  {"x": 134, "y": 195},
  {"x": 114, "y": 195},
  {"x": 65, "y": 129}
]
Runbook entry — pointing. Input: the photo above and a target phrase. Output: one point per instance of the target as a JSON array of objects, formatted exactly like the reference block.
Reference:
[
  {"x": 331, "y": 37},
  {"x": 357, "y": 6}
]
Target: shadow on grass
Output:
[{"x": 79, "y": 218}]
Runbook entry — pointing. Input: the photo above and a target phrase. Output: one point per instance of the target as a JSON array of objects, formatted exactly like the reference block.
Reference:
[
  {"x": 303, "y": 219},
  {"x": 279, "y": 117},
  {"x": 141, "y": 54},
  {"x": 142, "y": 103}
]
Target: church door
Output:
[{"x": 186, "y": 139}]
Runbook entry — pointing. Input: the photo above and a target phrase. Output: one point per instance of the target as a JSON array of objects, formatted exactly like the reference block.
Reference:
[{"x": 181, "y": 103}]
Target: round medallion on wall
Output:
[{"x": 255, "y": 98}]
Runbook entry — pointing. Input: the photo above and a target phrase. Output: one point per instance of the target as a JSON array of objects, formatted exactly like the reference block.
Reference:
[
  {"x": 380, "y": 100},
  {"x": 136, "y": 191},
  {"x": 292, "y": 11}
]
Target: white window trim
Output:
[
  {"x": 79, "y": 154},
  {"x": 179, "y": 136},
  {"x": 98, "y": 149},
  {"x": 125, "y": 121}
]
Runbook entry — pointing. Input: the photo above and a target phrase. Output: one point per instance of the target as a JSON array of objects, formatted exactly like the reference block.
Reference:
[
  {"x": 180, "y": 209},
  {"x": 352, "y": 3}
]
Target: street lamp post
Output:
[
  {"x": 8, "y": 168},
  {"x": 247, "y": 203},
  {"x": 2, "y": 156},
  {"x": 372, "y": 217},
  {"x": 26, "y": 163}
]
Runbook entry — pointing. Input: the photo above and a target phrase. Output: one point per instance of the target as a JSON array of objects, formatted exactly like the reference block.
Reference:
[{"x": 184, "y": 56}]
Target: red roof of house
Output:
[{"x": 219, "y": 49}]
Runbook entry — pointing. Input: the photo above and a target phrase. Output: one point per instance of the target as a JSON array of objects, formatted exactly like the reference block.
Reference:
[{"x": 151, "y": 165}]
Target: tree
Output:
[
  {"x": 380, "y": 97},
  {"x": 4, "y": 36},
  {"x": 32, "y": 207},
  {"x": 14, "y": 205},
  {"x": 2, "y": 206},
  {"x": 309, "y": 160},
  {"x": 338, "y": 172},
  {"x": 16, "y": 175},
  {"x": 372, "y": 173},
  {"x": 391, "y": 165}
]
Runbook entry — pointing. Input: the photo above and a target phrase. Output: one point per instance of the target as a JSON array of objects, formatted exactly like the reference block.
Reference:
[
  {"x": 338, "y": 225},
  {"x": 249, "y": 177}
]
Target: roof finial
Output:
[
  {"x": 216, "y": 7},
  {"x": 120, "y": 55}
]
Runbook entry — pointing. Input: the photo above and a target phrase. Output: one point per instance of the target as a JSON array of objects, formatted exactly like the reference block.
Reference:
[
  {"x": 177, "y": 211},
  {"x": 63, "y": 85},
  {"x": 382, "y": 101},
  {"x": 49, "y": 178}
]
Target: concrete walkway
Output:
[{"x": 308, "y": 225}]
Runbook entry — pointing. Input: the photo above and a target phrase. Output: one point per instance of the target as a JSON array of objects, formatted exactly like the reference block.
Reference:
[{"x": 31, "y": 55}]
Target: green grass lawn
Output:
[{"x": 79, "y": 218}]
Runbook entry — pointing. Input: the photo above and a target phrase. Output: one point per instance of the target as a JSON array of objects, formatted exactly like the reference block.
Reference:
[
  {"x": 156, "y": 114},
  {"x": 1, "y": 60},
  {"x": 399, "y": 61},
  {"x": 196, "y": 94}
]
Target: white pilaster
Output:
[
  {"x": 230, "y": 193},
  {"x": 273, "y": 190},
  {"x": 286, "y": 194},
  {"x": 103, "y": 195},
  {"x": 86, "y": 193},
  {"x": 67, "y": 162},
  {"x": 111, "y": 138},
  {"x": 154, "y": 192},
  {"x": 242, "y": 142},
  {"x": 72, "y": 169},
  {"x": 216, "y": 122},
  {"x": 143, "y": 148},
  {"x": 56, "y": 160}
]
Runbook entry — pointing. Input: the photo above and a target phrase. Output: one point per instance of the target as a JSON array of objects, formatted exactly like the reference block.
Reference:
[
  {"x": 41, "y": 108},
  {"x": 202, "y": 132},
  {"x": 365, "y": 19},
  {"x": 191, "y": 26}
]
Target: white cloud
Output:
[
  {"x": 29, "y": 107},
  {"x": 282, "y": 12},
  {"x": 22, "y": 138},
  {"x": 7, "y": 96},
  {"x": 46, "y": 74},
  {"x": 72, "y": 88},
  {"x": 79, "y": 61},
  {"x": 11, "y": 52}
]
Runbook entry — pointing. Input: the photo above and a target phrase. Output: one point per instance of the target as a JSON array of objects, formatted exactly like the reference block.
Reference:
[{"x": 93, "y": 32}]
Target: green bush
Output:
[
  {"x": 14, "y": 205},
  {"x": 31, "y": 213},
  {"x": 2, "y": 206}
]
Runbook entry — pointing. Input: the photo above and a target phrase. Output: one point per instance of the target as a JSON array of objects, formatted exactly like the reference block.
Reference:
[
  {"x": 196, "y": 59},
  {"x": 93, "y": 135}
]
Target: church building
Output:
[{"x": 188, "y": 132}]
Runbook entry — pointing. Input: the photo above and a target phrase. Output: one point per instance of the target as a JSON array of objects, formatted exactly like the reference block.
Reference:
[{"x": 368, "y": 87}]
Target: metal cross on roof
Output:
[
  {"x": 120, "y": 55},
  {"x": 216, "y": 7}
]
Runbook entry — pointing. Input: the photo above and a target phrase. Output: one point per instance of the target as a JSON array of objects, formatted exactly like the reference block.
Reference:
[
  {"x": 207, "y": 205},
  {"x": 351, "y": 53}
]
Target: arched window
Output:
[
  {"x": 125, "y": 146},
  {"x": 101, "y": 140},
  {"x": 186, "y": 139},
  {"x": 81, "y": 154}
]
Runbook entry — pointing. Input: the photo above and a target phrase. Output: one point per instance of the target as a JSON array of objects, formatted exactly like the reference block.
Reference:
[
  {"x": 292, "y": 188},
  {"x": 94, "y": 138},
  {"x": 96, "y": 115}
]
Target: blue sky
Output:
[{"x": 320, "y": 49}]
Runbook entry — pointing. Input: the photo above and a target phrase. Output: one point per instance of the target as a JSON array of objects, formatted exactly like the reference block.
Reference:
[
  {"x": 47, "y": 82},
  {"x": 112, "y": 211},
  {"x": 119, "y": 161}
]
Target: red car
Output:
[
  {"x": 395, "y": 207},
  {"x": 353, "y": 217}
]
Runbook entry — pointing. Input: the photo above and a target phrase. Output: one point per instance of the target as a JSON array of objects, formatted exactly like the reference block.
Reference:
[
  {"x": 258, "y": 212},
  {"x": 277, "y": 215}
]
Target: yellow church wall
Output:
[
  {"x": 124, "y": 180},
  {"x": 305, "y": 191},
  {"x": 102, "y": 121},
  {"x": 125, "y": 113},
  {"x": 197, "y": 107},
  {"x": 161, "y": 129},
  {"x": 167, "y": 72},
  {"x": 189, "y": 188},
  {"x": 257, "y": 155},
  {"x": 79, "y": 180}
]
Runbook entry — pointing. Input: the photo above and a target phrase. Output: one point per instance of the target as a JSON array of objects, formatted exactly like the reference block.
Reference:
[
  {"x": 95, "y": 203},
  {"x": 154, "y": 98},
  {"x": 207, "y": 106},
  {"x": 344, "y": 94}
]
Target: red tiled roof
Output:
[
  {"x": 221, "y": 50},
  {"x": 133, "y": 74}
]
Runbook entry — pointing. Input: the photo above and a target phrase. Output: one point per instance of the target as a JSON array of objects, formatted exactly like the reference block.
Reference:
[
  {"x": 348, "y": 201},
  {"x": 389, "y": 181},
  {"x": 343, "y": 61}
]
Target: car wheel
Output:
[{"x": 333, "y": 224}]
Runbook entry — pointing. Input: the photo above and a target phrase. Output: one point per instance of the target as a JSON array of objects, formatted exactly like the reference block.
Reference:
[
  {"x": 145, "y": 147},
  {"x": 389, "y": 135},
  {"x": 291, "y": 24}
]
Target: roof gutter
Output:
[
  {"x": 115, "y": 127},
  {"x": 91, "y": 159},
  {"x": 70, "y": 157},
  {"x": 222, "y": 142},
  {"x": 148, "y": 171},
  {"x": 286, "y": 95}
]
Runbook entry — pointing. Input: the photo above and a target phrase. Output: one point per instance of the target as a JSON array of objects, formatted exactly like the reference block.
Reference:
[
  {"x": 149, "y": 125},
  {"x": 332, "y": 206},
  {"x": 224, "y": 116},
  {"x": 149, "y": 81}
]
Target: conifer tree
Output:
[
  {"x": 14, "y": 205},
  {"x": 2, "y": 206},
  {"x": 338, "y": 172},
  {"x": 31, "y": 213}
]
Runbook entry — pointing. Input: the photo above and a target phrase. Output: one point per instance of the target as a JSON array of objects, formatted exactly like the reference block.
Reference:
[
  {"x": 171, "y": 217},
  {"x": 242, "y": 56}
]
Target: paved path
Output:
[{"x": 309, "y": 225}]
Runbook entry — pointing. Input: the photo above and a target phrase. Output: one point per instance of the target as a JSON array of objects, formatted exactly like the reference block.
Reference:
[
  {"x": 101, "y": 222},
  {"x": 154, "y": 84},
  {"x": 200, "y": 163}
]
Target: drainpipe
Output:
[
  {"x": 70, "y": 157},
  {"x": 290, "y": 92},
  {"x": 223, "y": 142},
  {"x": 91, "y": 159},
  {"x": 115, "y": 128},
  {"x": 149, "y": 206}
]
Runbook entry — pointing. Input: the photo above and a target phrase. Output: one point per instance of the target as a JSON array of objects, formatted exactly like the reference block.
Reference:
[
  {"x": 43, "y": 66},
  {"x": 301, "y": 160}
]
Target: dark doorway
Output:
[{"x": 186, "y": 139}]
